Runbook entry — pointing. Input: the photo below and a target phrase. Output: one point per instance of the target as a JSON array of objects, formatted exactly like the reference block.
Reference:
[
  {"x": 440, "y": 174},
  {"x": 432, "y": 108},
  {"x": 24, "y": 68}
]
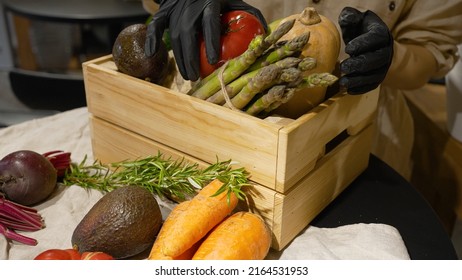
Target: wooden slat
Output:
[
  {"x": 332, "y": 174},
  {"x": 112, "y": 143},
  {"x": 196, "y": 127},
  {"x": 302, "y": 141},
  {"x": 278, "y": 154},
  {"x": 286, "y": 214}
]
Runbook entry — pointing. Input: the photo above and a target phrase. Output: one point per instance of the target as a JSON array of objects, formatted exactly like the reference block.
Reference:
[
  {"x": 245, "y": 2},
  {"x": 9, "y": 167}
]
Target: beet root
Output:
[{"x": 27, "y": 177}]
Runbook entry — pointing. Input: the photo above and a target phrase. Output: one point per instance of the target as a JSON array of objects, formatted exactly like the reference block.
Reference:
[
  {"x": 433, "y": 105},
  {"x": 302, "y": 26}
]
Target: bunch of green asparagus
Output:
[{"x": 265, "y": 76}]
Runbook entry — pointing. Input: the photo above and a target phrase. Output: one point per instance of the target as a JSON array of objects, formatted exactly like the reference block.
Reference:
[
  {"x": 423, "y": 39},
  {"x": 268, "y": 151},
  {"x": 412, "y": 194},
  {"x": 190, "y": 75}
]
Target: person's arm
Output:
[
  {"x": 411, "y": 68},
  {"x": 425, "y": 38}
]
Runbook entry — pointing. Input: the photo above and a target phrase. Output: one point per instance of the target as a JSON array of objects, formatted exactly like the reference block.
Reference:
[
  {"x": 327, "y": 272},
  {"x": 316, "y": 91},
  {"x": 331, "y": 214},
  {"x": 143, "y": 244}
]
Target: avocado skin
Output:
[
  {"x": 129, "y": 56},
  {"x": 123, "y": 223}
]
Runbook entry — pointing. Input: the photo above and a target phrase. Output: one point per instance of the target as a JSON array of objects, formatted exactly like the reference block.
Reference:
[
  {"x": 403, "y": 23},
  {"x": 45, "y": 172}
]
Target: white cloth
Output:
[
  {"x": 69, "y": 131},
  {"x": 349, "y": 242}
]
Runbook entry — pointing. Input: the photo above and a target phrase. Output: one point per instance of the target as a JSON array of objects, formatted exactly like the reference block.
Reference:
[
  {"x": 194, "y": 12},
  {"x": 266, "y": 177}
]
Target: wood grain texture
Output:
[
  {"x": 294, "y": 175},
  {"x": 278, "y": 155},
  {"x": 286, "y": 214}
]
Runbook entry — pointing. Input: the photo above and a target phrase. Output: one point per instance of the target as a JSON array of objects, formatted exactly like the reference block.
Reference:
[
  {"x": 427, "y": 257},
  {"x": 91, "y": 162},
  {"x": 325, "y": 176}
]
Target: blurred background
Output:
[{"x": 43, "y": 45}]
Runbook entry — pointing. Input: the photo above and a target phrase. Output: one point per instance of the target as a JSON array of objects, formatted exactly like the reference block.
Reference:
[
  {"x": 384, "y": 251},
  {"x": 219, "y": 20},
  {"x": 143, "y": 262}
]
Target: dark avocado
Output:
[
  {"x": 123, "y": 223},
  {"x": 129, "y": 57}
]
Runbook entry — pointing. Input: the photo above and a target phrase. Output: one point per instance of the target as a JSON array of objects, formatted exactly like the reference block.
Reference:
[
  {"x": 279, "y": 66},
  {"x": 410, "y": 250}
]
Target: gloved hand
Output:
[
  {"x": 186, "y": 19},
  {"x": 369, "y": 43}
]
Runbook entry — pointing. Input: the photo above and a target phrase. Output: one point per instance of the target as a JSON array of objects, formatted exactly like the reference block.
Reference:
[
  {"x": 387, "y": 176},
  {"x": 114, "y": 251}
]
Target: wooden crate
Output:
[{"x": 297, "y": 167}]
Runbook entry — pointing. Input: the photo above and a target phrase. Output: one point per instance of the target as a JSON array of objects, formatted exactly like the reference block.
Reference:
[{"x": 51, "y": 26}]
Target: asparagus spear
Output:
[
  {"x": 287, "y": 95},
  {"x": 238, "y": 65},
  {"x": 318, "y": 80},
  {"x": 273, "y": 95},
  {"x": 263, "y": 80},
  {"x": 235, "y": 86},
  {"x": 307, "y": 63},
  {"x": 291, "y": 76},
  {"x": 313, "y": 80},
  {"x": 288, "y": 49}
]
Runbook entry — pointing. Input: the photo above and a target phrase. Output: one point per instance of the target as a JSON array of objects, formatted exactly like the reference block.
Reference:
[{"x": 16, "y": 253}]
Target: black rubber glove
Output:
[
  {"x": 186, "y": 19},
  {"x": 369, "y": 43}
]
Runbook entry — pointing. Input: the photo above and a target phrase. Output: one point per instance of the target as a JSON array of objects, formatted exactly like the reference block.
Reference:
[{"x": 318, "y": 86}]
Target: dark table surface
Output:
[
  {"x": 381, "y": 195},
  {"x": 78, "y": 10}
]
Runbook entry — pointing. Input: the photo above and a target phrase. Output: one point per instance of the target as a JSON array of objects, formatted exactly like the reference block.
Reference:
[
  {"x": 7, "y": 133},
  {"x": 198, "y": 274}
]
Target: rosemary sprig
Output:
[{"x": 162, "y": 176}]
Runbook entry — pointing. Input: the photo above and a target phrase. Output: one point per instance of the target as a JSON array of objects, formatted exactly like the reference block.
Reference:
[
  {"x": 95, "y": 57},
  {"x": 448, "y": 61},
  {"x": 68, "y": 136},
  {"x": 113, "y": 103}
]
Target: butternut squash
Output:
[{"x": 323, "y": 45}]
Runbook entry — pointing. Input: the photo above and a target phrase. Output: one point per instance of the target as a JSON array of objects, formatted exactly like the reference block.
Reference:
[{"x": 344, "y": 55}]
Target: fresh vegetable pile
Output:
[
  {"x": 265, "y": 76},
  {"x": 259, "y": 72},
  {"x": 207, "y": 199},
  {"x": 127, "y": 219}
]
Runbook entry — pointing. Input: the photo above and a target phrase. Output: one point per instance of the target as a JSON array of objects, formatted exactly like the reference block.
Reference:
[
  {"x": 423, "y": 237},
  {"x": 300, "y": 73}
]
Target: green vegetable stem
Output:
[{"x": 165, "y": 177}]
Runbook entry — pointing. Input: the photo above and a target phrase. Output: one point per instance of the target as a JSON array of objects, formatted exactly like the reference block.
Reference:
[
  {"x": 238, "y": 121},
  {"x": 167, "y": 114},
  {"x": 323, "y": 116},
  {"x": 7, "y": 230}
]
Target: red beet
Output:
[{"x": 27, "y": 177}]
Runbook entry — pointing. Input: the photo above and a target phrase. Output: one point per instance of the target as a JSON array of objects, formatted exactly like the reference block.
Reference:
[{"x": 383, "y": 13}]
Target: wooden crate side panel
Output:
[
  {"x": 333, "y": 173},
  {"x": 303, "y": 141},
  {"x": 192, "y": 126},
  {"x": 261, "y": 200},
  {"x": 286, "y": 215},
  {"x": 112, "y": 144},
  {"x": 103, "y": 61}
]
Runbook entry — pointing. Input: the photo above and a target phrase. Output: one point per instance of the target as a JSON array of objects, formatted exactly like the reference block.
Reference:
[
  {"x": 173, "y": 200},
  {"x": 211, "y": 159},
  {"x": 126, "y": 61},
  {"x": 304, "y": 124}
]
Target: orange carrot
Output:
[
  {"x": 188, "y": 254},
  {"x": 156, "y": 252},
  {"x": 190, "y": 221},
  {"x": 242, "y": 236}
]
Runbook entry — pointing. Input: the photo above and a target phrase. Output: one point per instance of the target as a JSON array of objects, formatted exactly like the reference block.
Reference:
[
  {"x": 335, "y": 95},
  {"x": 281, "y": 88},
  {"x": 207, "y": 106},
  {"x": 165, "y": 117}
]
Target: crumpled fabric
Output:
[{"x": 348, "y": 242}]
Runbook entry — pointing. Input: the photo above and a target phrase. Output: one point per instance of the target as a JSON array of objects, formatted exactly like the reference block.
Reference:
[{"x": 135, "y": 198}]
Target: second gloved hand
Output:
[
  {"x": 186, "y": 20},
  {"x": 369, "y": 43}
]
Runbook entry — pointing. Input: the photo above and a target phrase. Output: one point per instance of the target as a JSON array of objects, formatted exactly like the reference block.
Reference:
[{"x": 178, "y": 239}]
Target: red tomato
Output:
[
  {"x": 71, "y": 254},
  {"x": 58, "y": 254},
  {"x": 75, "y": 254},
  {"x": 96, "y": 256},
  {"x": 238, "y": 29}
]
